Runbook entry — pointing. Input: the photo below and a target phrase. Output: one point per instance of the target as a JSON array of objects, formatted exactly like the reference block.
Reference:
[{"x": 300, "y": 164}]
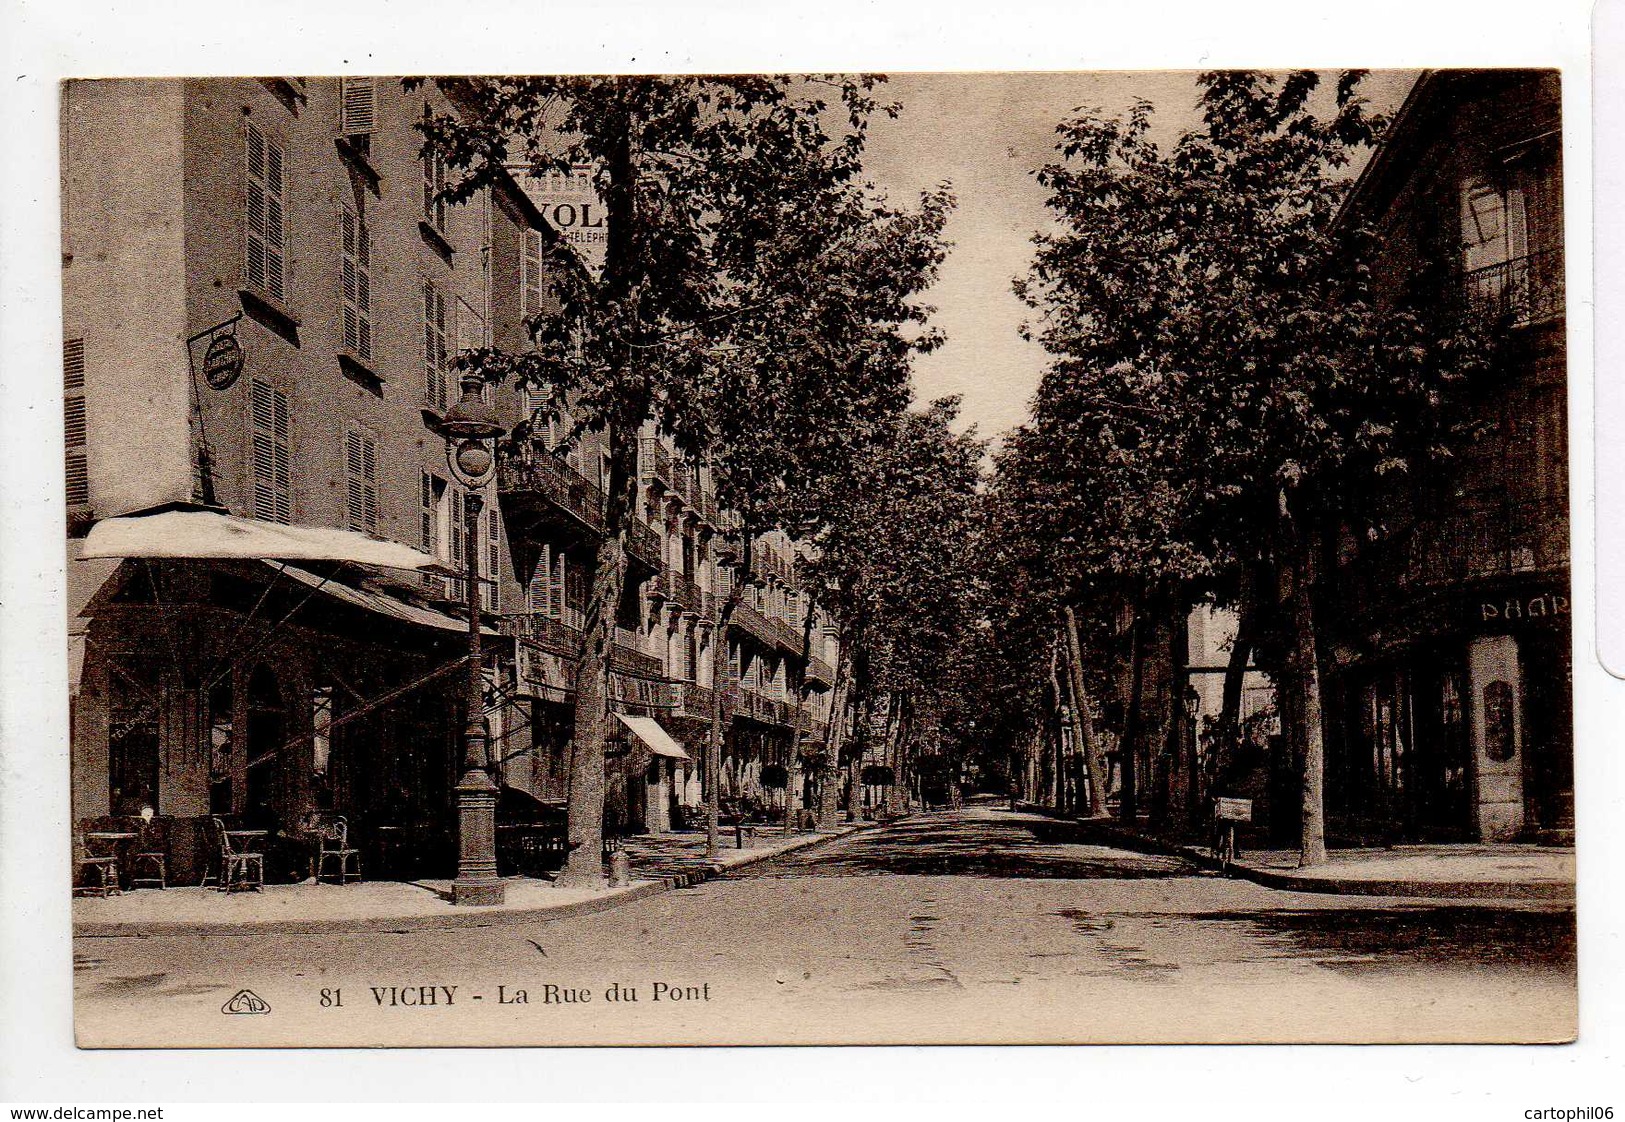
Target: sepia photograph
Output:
[{"x": 937, "y": 558}]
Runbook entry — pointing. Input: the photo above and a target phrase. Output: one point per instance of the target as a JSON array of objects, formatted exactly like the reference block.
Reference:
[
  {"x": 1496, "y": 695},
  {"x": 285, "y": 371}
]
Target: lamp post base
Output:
[
  {"x": 478, "y": 894},
  {"x": 477, "y": 883}
]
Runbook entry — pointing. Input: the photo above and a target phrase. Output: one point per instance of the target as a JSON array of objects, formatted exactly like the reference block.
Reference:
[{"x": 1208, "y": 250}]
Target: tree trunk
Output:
[
  {"x": 1227, "y": 736},
  {"x": 583, "y": 861},
  {"x": 1094, "y": 768},
  {"x": 897, "y": 795},
  {"x": 1128, "y": 804},
  {"x": 830, "y": 792},
  {"x": 1312, "y": 845}
]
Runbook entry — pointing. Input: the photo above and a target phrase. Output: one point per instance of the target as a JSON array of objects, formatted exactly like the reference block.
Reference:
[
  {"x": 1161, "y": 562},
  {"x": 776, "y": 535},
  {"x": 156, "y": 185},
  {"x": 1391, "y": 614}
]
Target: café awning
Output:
[
  {"x": 655, "y": 738},
  {"x": 207, "y": 534},
  {"x": 378, "y": 602}
]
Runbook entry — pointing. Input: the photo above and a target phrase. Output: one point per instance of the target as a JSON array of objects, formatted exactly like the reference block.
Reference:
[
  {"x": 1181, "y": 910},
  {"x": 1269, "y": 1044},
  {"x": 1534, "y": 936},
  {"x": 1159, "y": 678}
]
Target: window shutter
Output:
[
  {"x": 361, "y": 477},
  {"x": 492, "y": 587},
  {"x": 263, "y": 222},
  {"x": 356, "y": 243},
  {"x": 531, "y": 276},
  {"x": 359, "y": 106},
  {"x": 76, "y": 434},
  {"x": 434, "y": 346},
  {"x": 270, "y": 453},
  {"x": 556, "y": 580}
]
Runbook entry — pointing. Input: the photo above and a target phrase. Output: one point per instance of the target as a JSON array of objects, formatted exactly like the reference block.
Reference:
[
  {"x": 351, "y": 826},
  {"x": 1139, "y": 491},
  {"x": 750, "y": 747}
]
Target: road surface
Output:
[{"x": 973, "y": 926}]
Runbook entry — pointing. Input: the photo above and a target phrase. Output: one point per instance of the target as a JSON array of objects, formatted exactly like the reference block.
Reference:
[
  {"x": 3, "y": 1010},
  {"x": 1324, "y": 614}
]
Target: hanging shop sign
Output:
[
  {"x": 223, "y": 362},
  {"x": 222, "y": 358}
]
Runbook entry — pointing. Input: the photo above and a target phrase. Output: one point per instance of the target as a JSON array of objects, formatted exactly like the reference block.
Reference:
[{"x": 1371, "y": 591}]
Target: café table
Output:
[{"x": 116, "y": 843}]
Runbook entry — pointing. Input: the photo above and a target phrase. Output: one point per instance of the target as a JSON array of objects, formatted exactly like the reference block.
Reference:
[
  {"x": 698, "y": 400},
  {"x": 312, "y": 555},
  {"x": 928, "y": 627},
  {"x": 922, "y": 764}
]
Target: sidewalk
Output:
[
  {"x": 1461, "y": 871},
  {"x": 659, "y": 863}
]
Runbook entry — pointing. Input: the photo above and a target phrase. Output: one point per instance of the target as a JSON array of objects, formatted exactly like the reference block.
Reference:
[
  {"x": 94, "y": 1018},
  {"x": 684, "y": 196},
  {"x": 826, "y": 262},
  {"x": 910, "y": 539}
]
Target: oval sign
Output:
[{"x": 223, "y": 362}]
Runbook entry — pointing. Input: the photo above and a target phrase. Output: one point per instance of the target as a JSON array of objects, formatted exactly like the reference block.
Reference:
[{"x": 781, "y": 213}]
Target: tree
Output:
[
  {"x": 1207, "y": 310},
  {"x": 895, "y": 566},
  {"x": 727, "y": 311}
]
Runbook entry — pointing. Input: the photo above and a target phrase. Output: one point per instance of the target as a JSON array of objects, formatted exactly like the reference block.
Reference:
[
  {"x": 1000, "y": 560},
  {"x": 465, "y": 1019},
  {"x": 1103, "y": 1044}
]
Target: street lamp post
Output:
[{"x": 471, "y": 429}]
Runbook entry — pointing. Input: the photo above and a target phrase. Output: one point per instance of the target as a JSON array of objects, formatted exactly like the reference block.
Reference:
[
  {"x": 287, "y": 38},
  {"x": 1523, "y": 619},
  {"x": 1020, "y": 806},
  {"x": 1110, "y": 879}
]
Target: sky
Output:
[{"x": 986, "y": 134}]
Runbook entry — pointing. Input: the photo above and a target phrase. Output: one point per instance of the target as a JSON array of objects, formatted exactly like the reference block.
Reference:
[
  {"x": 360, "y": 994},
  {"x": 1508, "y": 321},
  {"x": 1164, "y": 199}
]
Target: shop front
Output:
[{"x": 1459, "y": 729}]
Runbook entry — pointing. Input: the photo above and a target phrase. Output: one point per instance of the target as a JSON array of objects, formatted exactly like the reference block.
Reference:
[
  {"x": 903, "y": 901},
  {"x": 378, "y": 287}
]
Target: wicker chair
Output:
[
  {"x": 332, "y": 836},
  {"x": 105, "y": 866},
  {"x": 239, "y": 869},
  {"x": 149, "y": 862}
]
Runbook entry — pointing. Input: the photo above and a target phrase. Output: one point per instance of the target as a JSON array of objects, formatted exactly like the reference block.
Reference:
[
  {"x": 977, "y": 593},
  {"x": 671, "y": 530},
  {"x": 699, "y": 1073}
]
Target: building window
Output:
[
  {"x": 266, "y": 238},
  {"x": 458, "y": 517},
  {"x": 434, "y": 186},
  {"x": 76, "y": 435},
  {"x": 531, "y": 278},
  {"x": 436, "y": 376},
  {"x": 358, "y": 109},
  {"x": 538, "y": 593},
  {"x": 270, "y": 451},
  {"x": 361, "y": 481},
  {"x": 357, "y": 272},
  {"x": 491, "y": 586}
]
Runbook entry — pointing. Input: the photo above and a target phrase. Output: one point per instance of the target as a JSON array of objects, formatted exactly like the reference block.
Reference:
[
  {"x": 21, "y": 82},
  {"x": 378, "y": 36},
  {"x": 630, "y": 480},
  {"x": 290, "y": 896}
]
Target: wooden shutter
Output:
[
  {"x": 434, "y": 345},
  {"x": 265, "y": 201},
  {"x": 76, "y": 435},
  {"x": 272, "y": 461},
  {"x": 361, "y": 481},
  {"x": 357, "y": 284},
  {"x": 358, "y": 110},
  {"x": 491, "y": 588},
  {"x": 531, "y": 278}
]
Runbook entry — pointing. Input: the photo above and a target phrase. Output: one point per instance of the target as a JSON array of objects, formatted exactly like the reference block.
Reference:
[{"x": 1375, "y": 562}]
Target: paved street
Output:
[{"x": 978, "y": 925}]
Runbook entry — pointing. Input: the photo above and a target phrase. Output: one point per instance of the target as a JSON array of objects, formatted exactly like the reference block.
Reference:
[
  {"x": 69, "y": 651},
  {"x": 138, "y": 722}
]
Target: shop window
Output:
[
  {"x": 132, "y": 750},
  {"x": 221, "y": 717}
]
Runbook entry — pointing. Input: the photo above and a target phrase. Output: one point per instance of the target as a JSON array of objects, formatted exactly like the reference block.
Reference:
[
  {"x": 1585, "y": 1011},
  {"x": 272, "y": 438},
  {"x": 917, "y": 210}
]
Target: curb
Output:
[
  {"x": 1295, "y": 882},
  {"x": 452, "y": 920}
]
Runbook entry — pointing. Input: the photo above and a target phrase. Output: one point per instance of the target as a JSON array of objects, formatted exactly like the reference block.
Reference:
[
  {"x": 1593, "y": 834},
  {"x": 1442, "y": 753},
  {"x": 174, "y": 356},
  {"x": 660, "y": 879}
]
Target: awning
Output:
[
  {"x": 378, "y": 602},
  {"x": 657, "y": 739},
  {"x": 211, "y": 535}
]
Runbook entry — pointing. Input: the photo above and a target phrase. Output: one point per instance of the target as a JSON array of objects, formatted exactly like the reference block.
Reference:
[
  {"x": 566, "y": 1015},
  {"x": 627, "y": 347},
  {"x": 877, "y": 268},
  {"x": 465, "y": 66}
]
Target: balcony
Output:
[
  {"x": 753, "y": 623},
  {"x": 819, "y": 674},
  {"x": 654, "y": 463},
  {"x": 1469, "y": 545},
  {"x": 643, "y": 546},
  {"x": 625, "y": 656},
  {"x": 690, "y": 700},
  {"x": 1529, "y": 289},
  {"x": 544, "y": 631},
  {"x": 676, "y": 589},
  {"x": 541, "y": 492}
]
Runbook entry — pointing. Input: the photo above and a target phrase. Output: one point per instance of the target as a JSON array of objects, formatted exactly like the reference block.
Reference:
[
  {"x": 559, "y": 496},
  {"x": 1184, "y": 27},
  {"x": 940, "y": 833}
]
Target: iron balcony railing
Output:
[
  {"x": 1528, "y": 288},
  {"x": 818, "y": 670},
  {"x": 753, "y": 623},
  {"x": 1475, "y": 543},
  {"x": 545, "y": 631},
  {"x": 540, "y": 472},
  {"x": 691, "y": 700},
  {"x": 654, "y": 462}
]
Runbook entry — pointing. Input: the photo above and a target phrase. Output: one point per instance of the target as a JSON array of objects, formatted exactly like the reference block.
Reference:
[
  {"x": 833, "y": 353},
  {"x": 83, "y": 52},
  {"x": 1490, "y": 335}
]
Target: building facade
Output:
[
  {"x": 1449, "y": 712},
  {"x": 264, "y": 296}
]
